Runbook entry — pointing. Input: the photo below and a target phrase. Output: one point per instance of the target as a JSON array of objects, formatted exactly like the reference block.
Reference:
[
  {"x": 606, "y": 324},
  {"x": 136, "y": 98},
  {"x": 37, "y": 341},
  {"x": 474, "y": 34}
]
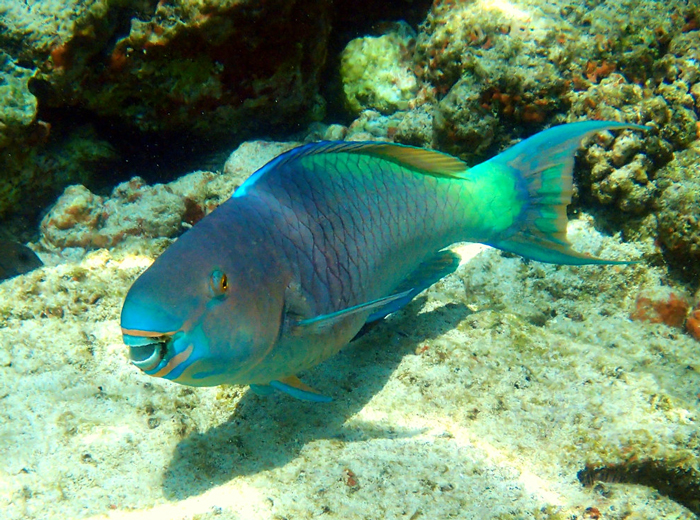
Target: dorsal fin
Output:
[{"x": 428, "y": 162}]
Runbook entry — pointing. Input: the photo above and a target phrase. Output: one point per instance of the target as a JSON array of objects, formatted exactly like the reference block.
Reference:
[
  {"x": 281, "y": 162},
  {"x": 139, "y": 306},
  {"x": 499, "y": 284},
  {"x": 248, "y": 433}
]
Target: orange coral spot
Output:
[
  {"x": 690, "y": 25},
  {"x": 118, "y": 59},
  {"x": 591, "y": 513},
  {"x": 692, "y": 325},
  {"x": 532, "y": 114},
  {"x": 349, "y": 478},
  {"x": 595, "y": 72},
  {"x": 61, "y": 56},
  {"x": 580, "y": 84},
  {"x": 669, "y": 309}
]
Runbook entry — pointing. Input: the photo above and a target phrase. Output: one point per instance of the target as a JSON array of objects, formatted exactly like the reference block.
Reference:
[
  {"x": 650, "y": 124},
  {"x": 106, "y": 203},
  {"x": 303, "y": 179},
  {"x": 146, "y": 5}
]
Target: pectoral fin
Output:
[
  {"x": 262, "y": 390},
  {"x": 320, "y": 324},
  {"x": 443, "y": 263}
]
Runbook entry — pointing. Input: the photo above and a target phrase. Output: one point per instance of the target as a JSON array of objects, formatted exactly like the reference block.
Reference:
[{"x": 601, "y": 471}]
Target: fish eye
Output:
[{"x": 218, "y": 283}]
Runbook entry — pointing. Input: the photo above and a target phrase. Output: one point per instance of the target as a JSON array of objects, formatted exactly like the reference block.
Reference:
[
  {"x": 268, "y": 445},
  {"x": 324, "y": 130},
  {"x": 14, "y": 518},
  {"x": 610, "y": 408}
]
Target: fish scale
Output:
[
  {"x": 381, "y": 240},
  {"x": 330, "y": 236}
]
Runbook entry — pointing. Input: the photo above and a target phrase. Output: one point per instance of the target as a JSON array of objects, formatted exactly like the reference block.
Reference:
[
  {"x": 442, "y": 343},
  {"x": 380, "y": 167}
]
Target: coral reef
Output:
[
  {"x": 678, "y": 213},
  {"x": 501, "y": 71},
  {"x": 36, "y": 169},
  {"x": 214, "y": 69},
  {"x": 19, "y": 106},
  {"x": 81, "y": 219},
  {"x": 490, "y": 73},
  {"x": 204, "y": 66}
]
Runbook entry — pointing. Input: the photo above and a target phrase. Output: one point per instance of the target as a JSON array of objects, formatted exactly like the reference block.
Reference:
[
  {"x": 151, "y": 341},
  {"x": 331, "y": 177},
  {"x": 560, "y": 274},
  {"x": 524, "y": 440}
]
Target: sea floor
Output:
[{"x": 509, "y": 390}]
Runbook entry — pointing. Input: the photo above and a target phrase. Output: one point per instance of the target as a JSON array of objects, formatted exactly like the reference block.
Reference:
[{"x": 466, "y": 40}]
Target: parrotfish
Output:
[
  {"x": 16, "y": 259},
  {"x": 333, "y": 235}
]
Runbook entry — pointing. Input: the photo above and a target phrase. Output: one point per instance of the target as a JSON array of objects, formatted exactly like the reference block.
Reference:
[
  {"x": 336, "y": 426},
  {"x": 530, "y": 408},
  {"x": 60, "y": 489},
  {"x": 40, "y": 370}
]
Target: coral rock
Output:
[
  {"x": 377, "y": 71},
  {"x": 82, "y": 219},
  {"x": 207, "y": 67}
]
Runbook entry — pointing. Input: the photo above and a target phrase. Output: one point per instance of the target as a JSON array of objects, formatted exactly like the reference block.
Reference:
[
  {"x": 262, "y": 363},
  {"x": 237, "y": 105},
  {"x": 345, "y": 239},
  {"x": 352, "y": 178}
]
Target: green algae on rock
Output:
[
  {"x": 377, "y": 71},
  {"x": 18, "y": 108},
  {"x": 36, "y": 167}
]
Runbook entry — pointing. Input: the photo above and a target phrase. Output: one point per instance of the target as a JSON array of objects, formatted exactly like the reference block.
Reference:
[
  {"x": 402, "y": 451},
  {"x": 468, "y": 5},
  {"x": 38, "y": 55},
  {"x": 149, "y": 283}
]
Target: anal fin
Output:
[{"x": 293, "y": 386}]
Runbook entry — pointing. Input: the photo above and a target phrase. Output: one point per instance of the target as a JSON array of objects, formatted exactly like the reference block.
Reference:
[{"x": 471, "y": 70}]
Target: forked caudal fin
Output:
[{"x": 544, "y": 163}]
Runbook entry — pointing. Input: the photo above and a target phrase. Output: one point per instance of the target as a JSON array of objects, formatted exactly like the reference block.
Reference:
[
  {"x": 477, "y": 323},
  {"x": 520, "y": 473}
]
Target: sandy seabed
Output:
[{"x": 508, "y": 390}]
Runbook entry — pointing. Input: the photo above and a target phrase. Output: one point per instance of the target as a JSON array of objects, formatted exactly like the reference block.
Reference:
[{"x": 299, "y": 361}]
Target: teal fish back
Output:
[{"x": 354, "y": 225}]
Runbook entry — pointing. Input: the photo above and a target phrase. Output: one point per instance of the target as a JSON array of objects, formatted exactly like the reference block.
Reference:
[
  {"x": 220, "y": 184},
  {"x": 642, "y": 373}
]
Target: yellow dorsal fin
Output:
[
  {"x": 430, "y": 162},
  {"x": 427, "y": 162}
]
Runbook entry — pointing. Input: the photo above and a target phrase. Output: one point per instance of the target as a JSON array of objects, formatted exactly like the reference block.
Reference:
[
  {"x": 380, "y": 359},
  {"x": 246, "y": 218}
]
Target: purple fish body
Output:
[{"x": 329, "y": 236}]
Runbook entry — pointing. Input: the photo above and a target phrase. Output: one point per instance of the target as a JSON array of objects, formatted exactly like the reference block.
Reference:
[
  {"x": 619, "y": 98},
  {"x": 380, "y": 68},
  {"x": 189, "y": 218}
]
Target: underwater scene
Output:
[{"x": 380, "y": 259}]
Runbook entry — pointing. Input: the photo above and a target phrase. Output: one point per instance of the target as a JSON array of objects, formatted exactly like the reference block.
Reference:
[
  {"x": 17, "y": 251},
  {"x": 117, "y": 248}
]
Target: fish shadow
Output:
[{"x": 269, "y": 432}]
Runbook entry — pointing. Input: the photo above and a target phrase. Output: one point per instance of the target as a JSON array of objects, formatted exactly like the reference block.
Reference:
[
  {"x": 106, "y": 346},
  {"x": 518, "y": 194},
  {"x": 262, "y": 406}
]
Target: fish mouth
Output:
[
  {"x": 158, "y": 354},
  {"x": 147, "y": 352}
]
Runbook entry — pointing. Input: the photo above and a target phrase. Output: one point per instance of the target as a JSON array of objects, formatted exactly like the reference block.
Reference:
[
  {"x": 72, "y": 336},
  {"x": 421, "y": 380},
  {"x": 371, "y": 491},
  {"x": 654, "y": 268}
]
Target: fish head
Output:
[{"x": 203, "y": 314}]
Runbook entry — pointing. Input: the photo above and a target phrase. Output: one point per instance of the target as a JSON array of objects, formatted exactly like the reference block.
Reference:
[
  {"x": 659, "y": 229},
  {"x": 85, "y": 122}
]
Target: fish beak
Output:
[
  {"x": 155, "y": 352},
  {"x": 146, "y": 352}
]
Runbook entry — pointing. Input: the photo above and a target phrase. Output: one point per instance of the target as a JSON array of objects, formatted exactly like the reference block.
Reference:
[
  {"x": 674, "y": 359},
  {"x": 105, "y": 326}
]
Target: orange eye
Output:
[{"x": 218, "y": 283}]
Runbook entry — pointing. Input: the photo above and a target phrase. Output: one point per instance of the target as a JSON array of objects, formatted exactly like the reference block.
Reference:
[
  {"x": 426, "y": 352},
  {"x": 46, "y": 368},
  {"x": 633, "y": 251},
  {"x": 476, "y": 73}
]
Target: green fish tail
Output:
[{"x": 543, "y": 166}]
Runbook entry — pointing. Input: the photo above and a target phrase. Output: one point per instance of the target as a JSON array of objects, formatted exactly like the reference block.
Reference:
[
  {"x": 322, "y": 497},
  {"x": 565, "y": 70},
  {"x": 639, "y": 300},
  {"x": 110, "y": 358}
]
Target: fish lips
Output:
[
  {"x": 147, "y": 352},
  {"x": 157, "y": 354}
]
